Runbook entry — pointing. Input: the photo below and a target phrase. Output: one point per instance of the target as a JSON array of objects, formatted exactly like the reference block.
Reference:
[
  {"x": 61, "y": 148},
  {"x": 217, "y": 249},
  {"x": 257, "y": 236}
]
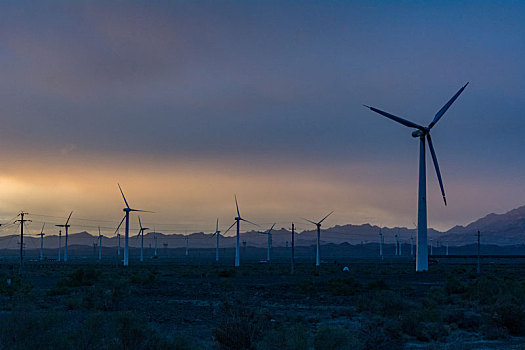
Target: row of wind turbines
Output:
[{"x": 421, "y": 132}]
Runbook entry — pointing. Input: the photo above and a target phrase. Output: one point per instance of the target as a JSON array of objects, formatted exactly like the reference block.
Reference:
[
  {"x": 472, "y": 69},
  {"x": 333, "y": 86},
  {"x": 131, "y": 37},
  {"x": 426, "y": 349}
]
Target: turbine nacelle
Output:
[{"x": 419, "y": 133}]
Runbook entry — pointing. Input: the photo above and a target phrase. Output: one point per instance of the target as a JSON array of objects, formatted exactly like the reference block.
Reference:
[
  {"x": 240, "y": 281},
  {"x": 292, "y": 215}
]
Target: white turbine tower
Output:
[
  {"x": 66, "y": 226},
  {"x": 237, "y": 221},
  {"x": 422, "y": 133},
  {"x": 127, "y": 210},
  {"x": 99, "y": 244},
  {"x": 42, "y": 234},
  {"x": 269, "y": 233},
  {"x": 318, "y": 246},
  {"x": 218, "y": 235},
  {"x": 141, "y": 233}
]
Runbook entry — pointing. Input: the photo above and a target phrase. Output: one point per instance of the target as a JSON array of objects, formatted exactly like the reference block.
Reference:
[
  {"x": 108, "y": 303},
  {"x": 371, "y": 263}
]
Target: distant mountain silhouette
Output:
[{"x": 496, "y": 229}]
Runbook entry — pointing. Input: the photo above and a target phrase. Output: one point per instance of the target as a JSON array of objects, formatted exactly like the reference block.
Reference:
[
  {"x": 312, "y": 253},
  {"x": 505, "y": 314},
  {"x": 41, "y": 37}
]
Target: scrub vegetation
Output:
[{"x": 165, "y": 304}]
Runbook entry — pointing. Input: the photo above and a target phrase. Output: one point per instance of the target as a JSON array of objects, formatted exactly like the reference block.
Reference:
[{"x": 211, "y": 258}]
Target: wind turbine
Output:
[
  {"x": 42, "y": 234},
  {"x": 66, "y": 226},
  {"x": 237, "y": 221},
  {"x": 269, "y": 233},
  {"x": 141, "y": 233},
  {"x": 99, "y": 244},
  {"x": 318, "y": 247},
  {"x": 218, "y": 234},
  {"x": 59, "y": 245},
  {"x": 127, "y": 210},
  {"x": 422, "y": 132}
]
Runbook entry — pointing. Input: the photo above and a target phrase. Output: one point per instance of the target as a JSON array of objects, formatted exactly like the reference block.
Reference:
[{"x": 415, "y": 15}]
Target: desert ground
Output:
[{"x": 193, "y": 302}]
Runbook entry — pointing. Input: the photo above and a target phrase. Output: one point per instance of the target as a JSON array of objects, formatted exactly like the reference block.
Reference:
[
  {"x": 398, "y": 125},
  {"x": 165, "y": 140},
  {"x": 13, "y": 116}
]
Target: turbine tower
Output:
[
  {"x": 127, "y": 210},
  {"x": 237, "y": 221},
  {"x": 141, "y": 233},
  {"x": 318, "y": 246},
  {"x": 66, "y": 226},
  {"x": 59, "y": 245},
  {"x": 42, "y": 234},
  {"x": 422, "y": 132},
  {"x": 218, "y": 234},
  {"x": 269, "y": 233}
]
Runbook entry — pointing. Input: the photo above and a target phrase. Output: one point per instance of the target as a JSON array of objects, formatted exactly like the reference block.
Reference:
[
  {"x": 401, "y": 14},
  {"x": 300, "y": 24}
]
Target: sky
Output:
[{"x": 187, "y": 103}]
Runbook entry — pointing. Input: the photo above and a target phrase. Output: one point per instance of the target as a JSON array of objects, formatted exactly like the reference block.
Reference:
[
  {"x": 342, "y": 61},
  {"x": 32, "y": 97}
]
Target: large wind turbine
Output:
[
  {"x": 422, "y": 132},
  {"x": 66, "y": 226},
  {"x": 42, "y": 234},
  {"x": 318, "y": 247},
  {"x": 238, "y": 220},
  {"x": 127, "y": 210},
  {"x": 269, "y": 233},
  {"x": 141, "y": 233}
]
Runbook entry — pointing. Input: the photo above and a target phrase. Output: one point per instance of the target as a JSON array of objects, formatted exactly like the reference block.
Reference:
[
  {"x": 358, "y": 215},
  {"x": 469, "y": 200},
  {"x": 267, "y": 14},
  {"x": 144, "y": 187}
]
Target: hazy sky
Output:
[{"x": 187, "y": 103}]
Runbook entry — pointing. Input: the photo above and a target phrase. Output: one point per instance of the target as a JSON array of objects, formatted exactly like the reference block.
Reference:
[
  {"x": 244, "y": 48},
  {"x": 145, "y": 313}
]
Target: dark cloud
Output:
[{"x": 265, "y": 81}]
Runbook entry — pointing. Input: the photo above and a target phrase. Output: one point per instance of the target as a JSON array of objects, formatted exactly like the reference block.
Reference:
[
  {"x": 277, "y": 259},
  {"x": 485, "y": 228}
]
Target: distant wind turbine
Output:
[
  {"x": 237, "y": 221},
  {"x": 42, "y": 234},
  {"x": 66, "y": 226},
  {"x": 141, "y": 233},
  {"x": 269, "y": 233},
  {"x": 127, "y": 210},
  {"x": 218, "y": 235},
  {"x": 59, "y": 245},
  {"x": 318, "y": 246},
  {"x": 422, "y": 133}
]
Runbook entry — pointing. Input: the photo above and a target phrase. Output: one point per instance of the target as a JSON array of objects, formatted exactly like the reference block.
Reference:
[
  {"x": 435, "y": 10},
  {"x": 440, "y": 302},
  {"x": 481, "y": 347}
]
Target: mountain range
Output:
[{"x": 496, "y": 229}]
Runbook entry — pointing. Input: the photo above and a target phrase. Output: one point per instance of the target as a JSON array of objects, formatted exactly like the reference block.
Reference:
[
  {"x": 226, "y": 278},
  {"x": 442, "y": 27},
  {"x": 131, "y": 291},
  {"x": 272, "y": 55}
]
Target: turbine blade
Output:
[
  {"x": 326, "y": 217},
  {"x": 142, "y": 211},
  {"x": 446, "y": 106},
  {"x": 436, "y": 166},
  {"x": 315, "y": 223},
  {"x": 237, "y": 205},
  {"x": 253, "y": 223},
  {"x": 69, "y": 217},
  {"x": 395, "y": 118},
  {"x": 217, "y": 225},
  {"x": 99, "y": 231},
  {"x": 140, "y": 223},
  {"x": 42, "y": 231},
  {"x": 125, "y": 201},
  {"x": 229, "y": 228},
  {"x": 271, "y": 228},
  {"x": 121, "y": 221}
]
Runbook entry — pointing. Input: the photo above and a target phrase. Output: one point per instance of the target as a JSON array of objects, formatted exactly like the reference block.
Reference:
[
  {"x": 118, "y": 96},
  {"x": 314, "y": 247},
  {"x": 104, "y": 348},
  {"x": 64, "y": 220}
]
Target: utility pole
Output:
[
  {"x": 155, "y": 237},
  {"x": 293, "y": 248},
  {"x": 411, "y": 246},
  {"x": 381, "y": 244},
  {"x": 479, "y": 267},
  {"x": 59, "y": 245},
  {"x": 22, "y": 221}
]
